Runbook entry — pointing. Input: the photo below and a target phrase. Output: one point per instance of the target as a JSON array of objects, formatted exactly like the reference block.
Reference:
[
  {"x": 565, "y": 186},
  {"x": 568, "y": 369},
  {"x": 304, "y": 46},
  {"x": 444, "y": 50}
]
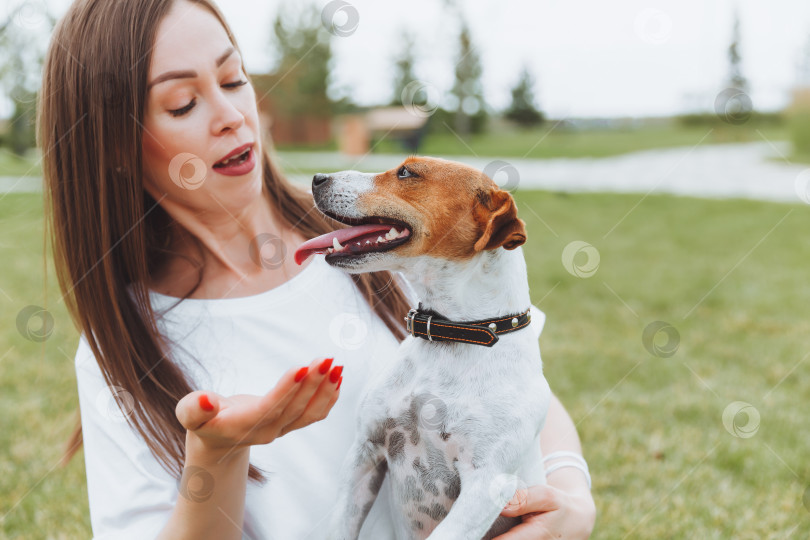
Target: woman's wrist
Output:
[{"x": 201, "y": 452}]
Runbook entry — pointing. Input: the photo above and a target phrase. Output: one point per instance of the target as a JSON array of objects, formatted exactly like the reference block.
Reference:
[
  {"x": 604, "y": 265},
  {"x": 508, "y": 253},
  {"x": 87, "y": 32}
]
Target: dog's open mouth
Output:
[{"x": 367, "y": 235}]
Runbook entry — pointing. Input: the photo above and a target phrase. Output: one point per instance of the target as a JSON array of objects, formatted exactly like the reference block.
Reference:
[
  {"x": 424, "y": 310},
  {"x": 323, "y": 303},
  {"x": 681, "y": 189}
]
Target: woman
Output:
[{"x": 159, "y": 187}]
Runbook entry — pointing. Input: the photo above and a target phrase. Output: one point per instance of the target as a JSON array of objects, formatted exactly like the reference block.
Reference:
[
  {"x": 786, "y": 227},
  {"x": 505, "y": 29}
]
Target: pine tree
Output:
[
  {"x": 404, "y": 67},
  {"x": 469, "y": 91},
  {"x": 523, "y": 110},
  {"x": 304, "y": 54},
  {"x": 736, "y": 78}
]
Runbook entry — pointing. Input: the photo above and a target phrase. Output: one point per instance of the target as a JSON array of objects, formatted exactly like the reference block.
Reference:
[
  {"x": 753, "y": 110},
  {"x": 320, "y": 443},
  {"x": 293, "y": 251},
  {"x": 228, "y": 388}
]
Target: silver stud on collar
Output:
[
  {"x": 493, "y": 326},
  {"x": 514, "y": 322}
]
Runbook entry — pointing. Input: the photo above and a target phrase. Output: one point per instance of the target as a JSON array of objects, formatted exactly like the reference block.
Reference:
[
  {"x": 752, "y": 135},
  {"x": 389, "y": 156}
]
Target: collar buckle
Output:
[{"x": 409, "y": 321}]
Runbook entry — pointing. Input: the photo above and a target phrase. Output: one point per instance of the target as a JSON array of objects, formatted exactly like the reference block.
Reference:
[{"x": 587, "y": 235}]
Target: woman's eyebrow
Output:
[{"x": 187, "y": 74}]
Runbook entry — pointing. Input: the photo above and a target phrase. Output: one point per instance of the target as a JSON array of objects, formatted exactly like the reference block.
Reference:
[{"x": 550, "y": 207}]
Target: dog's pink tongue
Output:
[{"x": 323, "y": 242}]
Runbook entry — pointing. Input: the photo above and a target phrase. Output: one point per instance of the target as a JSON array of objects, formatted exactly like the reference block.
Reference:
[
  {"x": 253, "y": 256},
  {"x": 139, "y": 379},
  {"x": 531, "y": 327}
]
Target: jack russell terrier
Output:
[{"x": 455, "y": 419}]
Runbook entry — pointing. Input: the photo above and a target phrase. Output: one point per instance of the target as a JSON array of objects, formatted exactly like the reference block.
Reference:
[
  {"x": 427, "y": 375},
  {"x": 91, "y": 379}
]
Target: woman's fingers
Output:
[
  {"x": 302, "y": 395},
  {"x": 197, "y": 408},
  {"x": 539, "y": 498},
  {"x": 321, "y": 402},
  {"x": 296, "y": 381}
]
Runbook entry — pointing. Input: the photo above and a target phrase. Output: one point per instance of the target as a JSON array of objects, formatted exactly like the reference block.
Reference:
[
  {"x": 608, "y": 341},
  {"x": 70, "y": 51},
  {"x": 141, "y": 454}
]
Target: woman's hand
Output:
[
  {"x": 549, "y": 512},
  {"x": 302, "y": 396}
]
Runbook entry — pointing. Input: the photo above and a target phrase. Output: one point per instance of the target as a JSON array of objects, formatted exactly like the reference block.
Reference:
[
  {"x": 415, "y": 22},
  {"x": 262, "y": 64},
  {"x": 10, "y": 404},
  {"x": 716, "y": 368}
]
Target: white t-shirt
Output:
[{"x": 243, "y": 346}]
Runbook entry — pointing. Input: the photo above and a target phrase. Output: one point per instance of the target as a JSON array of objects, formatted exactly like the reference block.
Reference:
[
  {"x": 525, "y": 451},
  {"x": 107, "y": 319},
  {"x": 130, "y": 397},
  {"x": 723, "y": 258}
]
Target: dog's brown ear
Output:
[{"x": 498, "y": 213}]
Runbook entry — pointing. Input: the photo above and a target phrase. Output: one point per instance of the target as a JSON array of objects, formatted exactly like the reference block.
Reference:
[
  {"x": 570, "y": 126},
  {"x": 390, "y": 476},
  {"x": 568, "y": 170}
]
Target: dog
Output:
[{"x": 455, "y": 419}]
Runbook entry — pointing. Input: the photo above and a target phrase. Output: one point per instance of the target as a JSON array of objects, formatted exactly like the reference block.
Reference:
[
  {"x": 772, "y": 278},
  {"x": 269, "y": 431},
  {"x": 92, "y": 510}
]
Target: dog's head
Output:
[{"x": 425, "y": 206}]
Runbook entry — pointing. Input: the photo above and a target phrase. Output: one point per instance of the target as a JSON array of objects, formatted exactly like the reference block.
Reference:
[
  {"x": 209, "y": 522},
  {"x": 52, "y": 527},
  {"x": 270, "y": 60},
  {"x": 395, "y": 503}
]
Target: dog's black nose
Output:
[{"x": 320, "y": 179}]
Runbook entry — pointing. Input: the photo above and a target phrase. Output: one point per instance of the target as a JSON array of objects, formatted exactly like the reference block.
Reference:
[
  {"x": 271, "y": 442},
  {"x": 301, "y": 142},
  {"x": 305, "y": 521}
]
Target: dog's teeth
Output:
[
  {"x": 336, "y": 245},
  {"x": 380, "y": 239},
  {"x": 390, "y": 235},
  {"x": 329, "y": 250},
  {"x": 403, "y": 233},
  {"x": 368, "y": 242}
]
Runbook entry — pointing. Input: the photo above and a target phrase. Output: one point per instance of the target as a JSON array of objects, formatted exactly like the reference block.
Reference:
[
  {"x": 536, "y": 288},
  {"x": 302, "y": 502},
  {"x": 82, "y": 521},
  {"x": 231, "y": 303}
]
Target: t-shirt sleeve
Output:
[{"x": 131, "y": 496}]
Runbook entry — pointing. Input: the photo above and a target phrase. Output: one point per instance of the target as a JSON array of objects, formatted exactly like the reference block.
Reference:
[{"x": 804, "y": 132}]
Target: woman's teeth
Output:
[
  {"x": 241, "y": 157},
  {"x": 393, "y": 234}
]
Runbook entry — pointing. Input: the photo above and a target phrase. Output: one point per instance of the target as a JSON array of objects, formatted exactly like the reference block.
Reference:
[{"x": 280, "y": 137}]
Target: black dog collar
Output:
[{"x": 433, "y": 327}]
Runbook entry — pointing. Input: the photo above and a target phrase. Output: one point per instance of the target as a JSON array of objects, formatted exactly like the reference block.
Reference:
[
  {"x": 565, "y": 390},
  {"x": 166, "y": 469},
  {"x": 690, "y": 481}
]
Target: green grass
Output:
[
  {"x": 729, "y": 276},
  {"x": 550, "y": 142},
  {"x": 13, "y": 165}
]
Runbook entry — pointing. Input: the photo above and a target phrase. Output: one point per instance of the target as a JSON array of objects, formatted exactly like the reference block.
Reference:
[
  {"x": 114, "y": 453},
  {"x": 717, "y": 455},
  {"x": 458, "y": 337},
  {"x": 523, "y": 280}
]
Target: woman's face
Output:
[{"x": 200, "y": 108}]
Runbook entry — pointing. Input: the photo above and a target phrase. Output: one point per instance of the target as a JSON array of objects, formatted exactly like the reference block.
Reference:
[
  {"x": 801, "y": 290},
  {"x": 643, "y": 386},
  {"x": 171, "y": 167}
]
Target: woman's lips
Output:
[{"x": 237, "y": 168}]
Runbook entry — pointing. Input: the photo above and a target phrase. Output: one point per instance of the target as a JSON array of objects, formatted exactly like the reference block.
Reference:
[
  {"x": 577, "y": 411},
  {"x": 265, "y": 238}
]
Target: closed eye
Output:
[
  {"x": 234, "y": 84},
  {"x": 183, "y": 110}
]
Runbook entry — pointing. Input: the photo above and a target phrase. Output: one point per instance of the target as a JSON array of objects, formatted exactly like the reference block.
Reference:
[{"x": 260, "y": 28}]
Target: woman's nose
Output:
[{"x": 227, "y": 116}]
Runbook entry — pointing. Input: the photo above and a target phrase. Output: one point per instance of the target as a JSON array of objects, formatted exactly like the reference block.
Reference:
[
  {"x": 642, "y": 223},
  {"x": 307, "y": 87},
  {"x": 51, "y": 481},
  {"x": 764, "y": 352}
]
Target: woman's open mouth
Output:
[
  {"x": 239, "y": 164},
  {"x": 367, "y": 235}
]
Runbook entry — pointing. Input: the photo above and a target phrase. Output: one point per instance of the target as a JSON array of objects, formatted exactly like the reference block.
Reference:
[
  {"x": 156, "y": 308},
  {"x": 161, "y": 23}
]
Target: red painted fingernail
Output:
[
  {"x": 325, "y": 365},
  {"x": 205, "y": 404},
  {"x": 335, "y": 375},
  {"x": 301, "y": 374},
  {"x": 339, "y": 381}
]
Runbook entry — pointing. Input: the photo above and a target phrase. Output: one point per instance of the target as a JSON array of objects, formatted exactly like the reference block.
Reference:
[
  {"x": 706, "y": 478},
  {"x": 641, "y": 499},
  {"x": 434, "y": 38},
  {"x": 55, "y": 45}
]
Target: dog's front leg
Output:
[
  {"x": 361, "y": 478},
  {"x": 478, "y": 504}
]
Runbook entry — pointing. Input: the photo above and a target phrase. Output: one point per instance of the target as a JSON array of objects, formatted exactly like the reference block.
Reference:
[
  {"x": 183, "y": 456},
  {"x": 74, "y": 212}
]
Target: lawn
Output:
[
  {"x": 728, "y": 277},
  {"x": 14, "y": 165},
  {"x": 553, "y": 141}
]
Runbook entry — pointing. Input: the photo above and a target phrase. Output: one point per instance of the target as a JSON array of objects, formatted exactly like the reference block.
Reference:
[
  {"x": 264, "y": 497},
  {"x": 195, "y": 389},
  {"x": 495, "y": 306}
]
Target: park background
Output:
[{"x": 660, "y": 155}]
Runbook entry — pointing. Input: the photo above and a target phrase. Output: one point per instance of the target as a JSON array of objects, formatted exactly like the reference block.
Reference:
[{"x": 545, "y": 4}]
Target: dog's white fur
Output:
[{"x": 443, "y": 413}]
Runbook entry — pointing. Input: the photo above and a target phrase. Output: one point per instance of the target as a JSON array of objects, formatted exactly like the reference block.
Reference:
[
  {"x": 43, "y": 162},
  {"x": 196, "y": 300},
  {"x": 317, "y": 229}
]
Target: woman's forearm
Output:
[
  {"x": 211, "y": 499},
  {"x": 560, "y": 434}
]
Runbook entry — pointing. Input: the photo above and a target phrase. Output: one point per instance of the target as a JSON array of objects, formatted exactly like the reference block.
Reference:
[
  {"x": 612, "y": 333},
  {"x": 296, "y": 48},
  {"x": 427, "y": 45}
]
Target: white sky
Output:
[{"x": 589, "y": 57}]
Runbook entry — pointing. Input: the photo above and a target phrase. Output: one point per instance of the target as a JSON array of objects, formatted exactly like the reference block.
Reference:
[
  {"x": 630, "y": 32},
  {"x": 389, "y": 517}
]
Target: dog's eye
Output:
[{"x": 405, "y": 173}]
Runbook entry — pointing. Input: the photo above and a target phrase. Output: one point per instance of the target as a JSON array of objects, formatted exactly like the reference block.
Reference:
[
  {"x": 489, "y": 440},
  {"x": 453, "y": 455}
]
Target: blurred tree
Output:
[
  {"x": 471, "y": 114},
  {"x": 404, "y": 67},
  {"x": 22, "y": 51},
  {"x": 523, "y": 110},
  {"x": 735, "y": 76},
  {"x": 304, "y": 61}
]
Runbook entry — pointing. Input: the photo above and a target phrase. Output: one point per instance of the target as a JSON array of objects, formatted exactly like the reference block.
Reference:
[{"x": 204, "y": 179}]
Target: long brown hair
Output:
[{"x": 108, "y": 234}]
